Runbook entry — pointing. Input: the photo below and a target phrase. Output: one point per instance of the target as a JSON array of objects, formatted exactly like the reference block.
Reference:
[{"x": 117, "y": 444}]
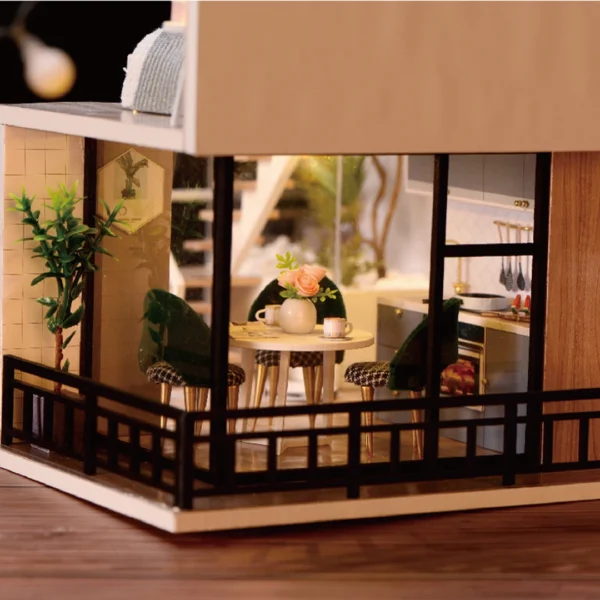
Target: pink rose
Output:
[
  {"x": 317, "y": 272},
  {"x": 307, "y": 285},
  {"x": 288, "y": 277}
]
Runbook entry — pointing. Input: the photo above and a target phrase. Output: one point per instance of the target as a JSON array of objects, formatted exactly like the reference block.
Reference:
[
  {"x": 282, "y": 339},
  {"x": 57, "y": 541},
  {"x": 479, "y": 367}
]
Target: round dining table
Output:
[{"x": 257, "y": 336}]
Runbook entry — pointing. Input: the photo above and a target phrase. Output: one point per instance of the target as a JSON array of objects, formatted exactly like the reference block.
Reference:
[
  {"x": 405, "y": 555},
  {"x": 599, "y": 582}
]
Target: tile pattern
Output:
[
  {"x": 34, "y": 161},
  {"x": 474, "y": 224}
]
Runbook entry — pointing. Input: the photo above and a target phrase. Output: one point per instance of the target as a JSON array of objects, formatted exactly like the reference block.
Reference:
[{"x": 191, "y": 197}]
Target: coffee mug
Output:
[
  {"x": 334, "y": 327},
  {"x": 271, "y": 312}
]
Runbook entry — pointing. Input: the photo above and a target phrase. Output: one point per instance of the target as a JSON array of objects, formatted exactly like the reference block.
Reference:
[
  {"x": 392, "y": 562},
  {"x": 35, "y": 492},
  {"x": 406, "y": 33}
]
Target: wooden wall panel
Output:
[
  {"x": 573, "y": 316},
  {"x": 393, "y": 77},
  {"x": 120, "y": 286}
]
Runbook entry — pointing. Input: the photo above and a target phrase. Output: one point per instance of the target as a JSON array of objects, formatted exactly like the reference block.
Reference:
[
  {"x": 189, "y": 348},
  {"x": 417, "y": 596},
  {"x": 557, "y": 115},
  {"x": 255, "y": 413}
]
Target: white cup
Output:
[
  {"x": 334, "y": 327},
  {"x": 271, "y": 312}
]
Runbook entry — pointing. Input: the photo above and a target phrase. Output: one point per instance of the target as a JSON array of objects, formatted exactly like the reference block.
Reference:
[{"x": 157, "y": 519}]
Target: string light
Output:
[{"x": 49, "y": 72}]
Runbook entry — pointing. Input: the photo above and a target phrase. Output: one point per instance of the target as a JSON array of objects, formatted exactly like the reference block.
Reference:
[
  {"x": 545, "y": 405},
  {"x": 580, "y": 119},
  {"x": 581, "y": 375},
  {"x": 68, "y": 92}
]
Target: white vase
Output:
[{"x": 297, "y": 316}]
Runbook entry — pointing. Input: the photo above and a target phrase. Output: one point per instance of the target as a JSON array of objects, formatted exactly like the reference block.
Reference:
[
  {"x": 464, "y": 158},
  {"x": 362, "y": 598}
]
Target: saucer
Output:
[{"x": 335, "y": 339}]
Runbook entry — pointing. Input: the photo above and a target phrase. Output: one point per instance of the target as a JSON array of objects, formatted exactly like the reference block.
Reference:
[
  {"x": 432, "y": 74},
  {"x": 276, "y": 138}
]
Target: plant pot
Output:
[{"x": 297, "y": 316}]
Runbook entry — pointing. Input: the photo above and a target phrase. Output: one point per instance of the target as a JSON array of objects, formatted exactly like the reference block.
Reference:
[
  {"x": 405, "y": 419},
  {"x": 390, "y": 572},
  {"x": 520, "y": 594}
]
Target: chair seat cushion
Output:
[
  {"x": 270, "y": 358},
  {"x": 235, "y": 376},
  {"x": 162, "y": 372},
  {"x": 374, "y": 374}
]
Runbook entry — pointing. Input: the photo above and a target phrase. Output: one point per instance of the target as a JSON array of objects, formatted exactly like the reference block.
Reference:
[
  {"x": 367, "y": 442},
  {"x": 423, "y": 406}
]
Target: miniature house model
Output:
[{"x": 425, "y": 78}]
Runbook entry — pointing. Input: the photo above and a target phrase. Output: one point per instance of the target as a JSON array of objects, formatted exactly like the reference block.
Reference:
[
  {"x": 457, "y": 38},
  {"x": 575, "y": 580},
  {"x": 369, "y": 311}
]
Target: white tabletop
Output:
[{"x": 257, "y": 336}]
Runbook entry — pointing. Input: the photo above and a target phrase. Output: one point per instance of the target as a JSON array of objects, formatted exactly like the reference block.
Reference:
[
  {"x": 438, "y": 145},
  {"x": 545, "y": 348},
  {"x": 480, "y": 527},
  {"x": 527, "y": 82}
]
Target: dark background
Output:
[{"x": 97, "y": 35}]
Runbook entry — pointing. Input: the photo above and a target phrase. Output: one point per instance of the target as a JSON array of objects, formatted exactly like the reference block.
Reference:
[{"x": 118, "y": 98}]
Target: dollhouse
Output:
[{"x": 323, "y": 78}]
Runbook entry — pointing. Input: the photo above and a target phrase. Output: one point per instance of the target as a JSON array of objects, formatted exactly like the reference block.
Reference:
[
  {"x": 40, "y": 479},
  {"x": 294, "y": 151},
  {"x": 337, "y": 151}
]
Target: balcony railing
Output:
[{"x": 171, "y": 460}]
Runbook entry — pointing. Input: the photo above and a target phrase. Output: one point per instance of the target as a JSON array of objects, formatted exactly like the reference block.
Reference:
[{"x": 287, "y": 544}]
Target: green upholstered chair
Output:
[
  {"x": 267, "y": 361},
  {"x": 175, "y": 351},
  {"x": 408, "y": 368}
]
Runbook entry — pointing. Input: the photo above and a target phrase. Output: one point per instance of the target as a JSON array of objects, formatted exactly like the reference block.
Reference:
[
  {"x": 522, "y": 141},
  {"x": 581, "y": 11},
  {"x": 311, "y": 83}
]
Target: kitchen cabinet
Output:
[
  {"x": 493, "y": 179},
  {"x": 506, "y": 371}
]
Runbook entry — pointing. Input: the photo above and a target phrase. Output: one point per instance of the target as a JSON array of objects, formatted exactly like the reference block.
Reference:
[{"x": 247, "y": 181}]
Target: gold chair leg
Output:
[
  {"x": 202, "y": 408},
  {"x": 273, "y": 383},
  {"x": 261, "y": 377},
  {"x": 165, "y": 398},
  {"x": 318, "y": 383},
  {"x": 233, "y": 396},
  {"x": 190, "y": 398},
  {"x": 417, "y": 434},
  {"x": 367, "y": 393},
  {"x": 308, "y": 374}
]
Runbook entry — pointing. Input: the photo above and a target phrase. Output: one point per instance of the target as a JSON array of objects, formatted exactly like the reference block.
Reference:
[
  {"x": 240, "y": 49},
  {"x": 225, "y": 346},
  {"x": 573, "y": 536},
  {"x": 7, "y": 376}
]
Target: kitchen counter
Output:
[{"x": 417, "y": 305}]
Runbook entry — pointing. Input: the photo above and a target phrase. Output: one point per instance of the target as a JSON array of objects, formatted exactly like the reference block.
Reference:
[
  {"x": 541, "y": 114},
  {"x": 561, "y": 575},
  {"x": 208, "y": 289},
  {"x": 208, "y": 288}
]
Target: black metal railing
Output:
[
  {"x": 93, "y": 423},
  {"x": 136, "y": 447}
]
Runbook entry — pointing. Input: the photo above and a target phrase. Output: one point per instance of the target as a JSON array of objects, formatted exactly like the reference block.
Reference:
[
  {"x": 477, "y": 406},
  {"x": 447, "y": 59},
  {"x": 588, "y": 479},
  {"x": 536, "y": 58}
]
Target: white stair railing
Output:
[
  {"x": 258, "y": 204},
  {"x": 176, "y": 279}
]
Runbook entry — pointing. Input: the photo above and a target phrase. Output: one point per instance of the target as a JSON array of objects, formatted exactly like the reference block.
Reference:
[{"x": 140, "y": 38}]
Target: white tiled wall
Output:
[
  {"x": 409, "y": 242},
  {"x": 34, "y": 161}
]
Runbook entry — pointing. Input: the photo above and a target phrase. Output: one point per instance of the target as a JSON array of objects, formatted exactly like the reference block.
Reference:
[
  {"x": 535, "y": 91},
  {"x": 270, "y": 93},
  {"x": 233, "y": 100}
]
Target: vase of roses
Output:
[{"x": 302, "y": 290}]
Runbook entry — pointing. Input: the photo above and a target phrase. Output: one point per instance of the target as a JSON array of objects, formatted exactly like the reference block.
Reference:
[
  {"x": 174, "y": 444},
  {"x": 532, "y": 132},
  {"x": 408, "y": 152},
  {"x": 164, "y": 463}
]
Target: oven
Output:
[{"x": 466, "y": 377}]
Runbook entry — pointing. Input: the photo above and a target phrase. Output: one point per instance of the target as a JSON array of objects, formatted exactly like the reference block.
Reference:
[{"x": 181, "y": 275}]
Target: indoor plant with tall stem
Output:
[{"x": 67, "y": 247}]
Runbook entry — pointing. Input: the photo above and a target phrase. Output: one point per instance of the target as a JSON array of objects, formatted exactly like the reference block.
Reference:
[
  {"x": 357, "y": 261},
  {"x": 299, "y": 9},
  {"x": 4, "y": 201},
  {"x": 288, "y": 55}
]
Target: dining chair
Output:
[
  {"x": 407, "y": 370},
  {"x": 175, "y": 351},
  {"x": 267, "y": 361}
]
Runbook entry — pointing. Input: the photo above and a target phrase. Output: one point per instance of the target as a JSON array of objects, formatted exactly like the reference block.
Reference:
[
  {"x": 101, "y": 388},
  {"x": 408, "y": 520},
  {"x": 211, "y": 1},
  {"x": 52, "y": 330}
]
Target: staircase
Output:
[{"x": 255, "y": 202}]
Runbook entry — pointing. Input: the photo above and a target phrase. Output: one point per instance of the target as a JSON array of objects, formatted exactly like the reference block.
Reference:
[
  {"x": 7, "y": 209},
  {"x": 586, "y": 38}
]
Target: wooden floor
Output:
[{"x": 54, "y": 546}]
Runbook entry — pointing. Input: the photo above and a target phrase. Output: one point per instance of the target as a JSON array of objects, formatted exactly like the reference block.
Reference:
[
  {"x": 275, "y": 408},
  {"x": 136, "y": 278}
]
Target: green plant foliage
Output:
[
  {"x": 287, "y": 262},
  {"x": 316, "y": 176},
  {"x": 67, "y": 247}
]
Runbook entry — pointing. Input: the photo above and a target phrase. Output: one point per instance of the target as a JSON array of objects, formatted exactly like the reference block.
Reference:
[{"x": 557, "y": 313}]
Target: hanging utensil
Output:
[
  {"x": 508, "y": 284},
  {"x": 502, "y": 278},
  {"x": 520, "y": 278},
  {"x": 527, "y": 267}
]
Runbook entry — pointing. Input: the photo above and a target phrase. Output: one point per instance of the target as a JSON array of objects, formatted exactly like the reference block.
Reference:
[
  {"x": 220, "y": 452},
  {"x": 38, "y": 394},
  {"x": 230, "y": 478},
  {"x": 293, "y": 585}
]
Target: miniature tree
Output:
[
  {"x": 379, "y": 237},
  {"x": 317, "y": 177},
  {"x": 67, "y": 246}
]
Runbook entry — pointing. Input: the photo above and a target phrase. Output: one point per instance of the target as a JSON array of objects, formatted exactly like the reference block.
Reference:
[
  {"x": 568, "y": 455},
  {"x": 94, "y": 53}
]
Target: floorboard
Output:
[{"x": 55, "y": 546}]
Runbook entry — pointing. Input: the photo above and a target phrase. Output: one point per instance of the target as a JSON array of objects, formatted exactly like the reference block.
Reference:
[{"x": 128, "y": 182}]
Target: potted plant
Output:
[
  {"x": 316, "y": 176},
  {"x": 302, "y": 291},
  {"x": 67, "y": 248}
]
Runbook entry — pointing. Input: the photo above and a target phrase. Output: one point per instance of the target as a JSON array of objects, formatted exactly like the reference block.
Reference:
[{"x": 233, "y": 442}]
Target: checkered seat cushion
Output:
[
  {"x": 374, "y": 374},
  {"x": 162, "y": 372},
  {"x": 270, "y": 358}
]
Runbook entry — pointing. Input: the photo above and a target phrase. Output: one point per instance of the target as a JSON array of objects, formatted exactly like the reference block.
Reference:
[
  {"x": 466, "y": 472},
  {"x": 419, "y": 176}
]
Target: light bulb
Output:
[{"x": 49, "y": 72}]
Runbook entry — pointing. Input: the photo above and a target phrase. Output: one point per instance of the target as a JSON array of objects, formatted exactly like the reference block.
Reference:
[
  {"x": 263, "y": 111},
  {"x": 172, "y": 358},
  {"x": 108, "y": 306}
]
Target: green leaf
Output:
[
  {"x": 74, "y": 318},
  {"x": 24, "y": 240},
  {"x": 106, "y": 207},
  {"x": 102, "y": 250},
  {"x": 51, "y": 312},
  {"x": 66, "y": 342},
  {"x": 52, "y": 325},
  {"x": 76, "y": 291},
  {"x": 41, "y": 238},
  {"x": 80, "y": 229},
  {"x": 66, "y": 365},
  {"x": 45, "y": 276},
  {"x": 47, "y": 301}
]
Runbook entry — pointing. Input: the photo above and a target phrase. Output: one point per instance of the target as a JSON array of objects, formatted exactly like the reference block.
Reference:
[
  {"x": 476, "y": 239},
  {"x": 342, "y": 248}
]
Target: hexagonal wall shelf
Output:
[{"x": 139, "y": 181}]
